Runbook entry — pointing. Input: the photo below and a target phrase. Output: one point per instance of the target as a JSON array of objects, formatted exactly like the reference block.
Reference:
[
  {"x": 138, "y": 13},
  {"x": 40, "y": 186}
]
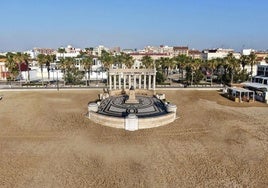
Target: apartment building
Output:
[
  {"x": 69, "y": 52},
  {"x": 195, "y": 54},
  {"x": 180, "y": 50}
]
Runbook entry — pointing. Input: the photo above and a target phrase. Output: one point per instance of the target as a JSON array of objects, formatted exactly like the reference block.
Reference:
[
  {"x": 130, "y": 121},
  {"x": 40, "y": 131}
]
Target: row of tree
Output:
[{"x": 224, "y": 70}]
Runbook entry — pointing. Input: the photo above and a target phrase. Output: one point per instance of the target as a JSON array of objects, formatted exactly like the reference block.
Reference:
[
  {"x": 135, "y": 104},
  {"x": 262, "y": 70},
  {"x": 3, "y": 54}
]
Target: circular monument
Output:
[
  {"x": 133, "y": 108},
  {"x": 131, "y": 111}
]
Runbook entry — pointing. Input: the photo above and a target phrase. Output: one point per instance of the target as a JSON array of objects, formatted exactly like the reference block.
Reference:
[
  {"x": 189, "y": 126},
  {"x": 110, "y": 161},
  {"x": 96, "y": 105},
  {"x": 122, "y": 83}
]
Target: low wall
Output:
[
  {"x": 144, "y": 123},
  {"x": 109, "y": 121}
]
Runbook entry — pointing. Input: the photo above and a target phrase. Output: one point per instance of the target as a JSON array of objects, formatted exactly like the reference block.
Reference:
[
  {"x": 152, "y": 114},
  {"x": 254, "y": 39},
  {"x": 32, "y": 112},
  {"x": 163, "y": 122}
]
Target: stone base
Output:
[
  {"x": 131, "y": 123},
  {"x": 131, "y": 101}
]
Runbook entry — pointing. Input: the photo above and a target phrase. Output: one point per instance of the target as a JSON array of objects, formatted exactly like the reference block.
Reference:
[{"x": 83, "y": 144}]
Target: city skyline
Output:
[{"x": 133, "y": 24}]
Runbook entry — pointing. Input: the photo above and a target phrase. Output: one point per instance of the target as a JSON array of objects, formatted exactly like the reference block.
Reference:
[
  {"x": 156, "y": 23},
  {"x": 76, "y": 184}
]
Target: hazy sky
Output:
[{"x": 198, "y": 24}]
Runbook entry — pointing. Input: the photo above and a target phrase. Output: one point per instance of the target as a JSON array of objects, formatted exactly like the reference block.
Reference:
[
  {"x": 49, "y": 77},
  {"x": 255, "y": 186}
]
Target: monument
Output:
[
  {"x": 137, "y": 107},
  {"x": 132, "y": 97}
]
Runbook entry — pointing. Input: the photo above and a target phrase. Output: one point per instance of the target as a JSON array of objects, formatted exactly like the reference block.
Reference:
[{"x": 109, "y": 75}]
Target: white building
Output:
[
  {"x": 97, "y": 50},
  {"x": 218, "y": 53},
  {"x": 69, "y": 52},
  {"x": 247, "y": 51}
]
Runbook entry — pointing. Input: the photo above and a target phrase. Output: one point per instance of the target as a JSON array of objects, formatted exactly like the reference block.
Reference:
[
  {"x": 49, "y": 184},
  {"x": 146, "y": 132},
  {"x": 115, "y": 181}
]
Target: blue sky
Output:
[{"x": 198, "y": 24}]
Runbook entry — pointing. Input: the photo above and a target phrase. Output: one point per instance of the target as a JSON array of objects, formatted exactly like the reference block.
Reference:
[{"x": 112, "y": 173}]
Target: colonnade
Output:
[{"x": 136, "y": 78}]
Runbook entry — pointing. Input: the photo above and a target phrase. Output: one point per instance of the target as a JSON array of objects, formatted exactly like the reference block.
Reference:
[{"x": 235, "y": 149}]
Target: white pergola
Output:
[
  {"x": 130, "y": 77},
  {"x": 241, "y": 93}
]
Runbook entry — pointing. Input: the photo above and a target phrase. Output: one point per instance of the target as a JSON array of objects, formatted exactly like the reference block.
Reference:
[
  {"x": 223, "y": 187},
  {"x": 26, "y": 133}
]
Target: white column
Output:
[
  {"x": 110, "y": 82},
  {"x": 115, "y": 81},
  {"x": 134, "y": 81},
  {"x": 140, "y": 81},
  {"x": 149, "y": 81},
  {"x": 124, "y": 81},
  {"x": 119, "y": 80},
  {"x": 129, "y": 81},
  {"x": 144, "y": 84},
  {"x": 154, "y": 79}
]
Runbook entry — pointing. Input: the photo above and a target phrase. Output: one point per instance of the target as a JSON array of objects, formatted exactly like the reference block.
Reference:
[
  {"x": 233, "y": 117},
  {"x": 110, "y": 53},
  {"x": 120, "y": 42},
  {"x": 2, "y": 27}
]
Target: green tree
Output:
[
  {"x": 195, "y": 65},
  {"x": 231, "y": 64},
  {"x": 244, "y": 60},
  {"x": 107, "y": 60},
  {"x": 26, "y": 58},
  {"x": 66, "y": 65},
  {"x": 147, "y": 61},
  {"x": 49, "y": 60},
  {"x": 18, "y": 58},
  {"x": 12, "y": 66},
  {"x": 41, "y": 59},
  {"x": 159, "y": 77},
  {"x": 252, "y": 62},
  {"x": 87, "y": 62},
  {"x": 182, "y": 61},
  {"x": 128, "y": 60},
  {"x": 62, "y": 51},
  {"x": 212, "y": 65}
]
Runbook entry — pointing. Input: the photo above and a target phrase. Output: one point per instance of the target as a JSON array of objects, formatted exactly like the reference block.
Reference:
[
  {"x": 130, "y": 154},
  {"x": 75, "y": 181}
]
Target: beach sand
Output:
[{"x": 47, "y": 141}]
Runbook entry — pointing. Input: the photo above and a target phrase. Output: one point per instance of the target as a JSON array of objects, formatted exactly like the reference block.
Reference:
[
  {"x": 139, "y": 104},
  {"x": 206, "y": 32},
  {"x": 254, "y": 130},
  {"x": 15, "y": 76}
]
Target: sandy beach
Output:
[{"x": 47, "y": 141}]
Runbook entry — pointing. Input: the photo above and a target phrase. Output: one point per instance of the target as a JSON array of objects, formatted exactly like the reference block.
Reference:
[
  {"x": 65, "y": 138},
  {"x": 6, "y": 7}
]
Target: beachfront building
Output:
[
  {"x": 97, "y": 50},
  {"x": 259, "y": 83},
  {"x": 195, "y": 54},
  {"x": 154, "y": 56},
  {"x": 180, "y": 50},
  {"x": 162, "y": 49},
  {"x": 69, "y": 52},
  {"x": 247, "y": 51},
  {"x": 209, "y": 54},
  {"x": 262, "y": 70}
]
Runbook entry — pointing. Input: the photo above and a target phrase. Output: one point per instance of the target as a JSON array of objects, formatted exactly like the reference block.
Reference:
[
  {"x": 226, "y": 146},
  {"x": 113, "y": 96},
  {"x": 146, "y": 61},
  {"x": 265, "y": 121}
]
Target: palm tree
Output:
[
  {"x": 169, "y": 63},
  {"x": 26, "y": 58},
  {"x": 128, "y": 60},
  {"x": 195, "y": 65},
  {"x": 87, "y": 62},
  {"x": 11, "y": 65},
  {"x": 41, "y": 59},
  {"x": 119, "y": 59},
  {"x": 232, "y": 64},
  {"x": 252, "y": 62},
  {"x": 62, "y": 51},
  {"x": 147, "y": 61},
  {"x": 67, "y": 65},
  {"x": 244, "y": 60},
  {"x": 212, "y": 65},
  {"x": 18, "y": 58},
  {"x": 107, "y": 60},
  {"x": 166, "y": 65},
  {"x": 181, "y": 61},
  {"x": 49, "y": 59}
]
